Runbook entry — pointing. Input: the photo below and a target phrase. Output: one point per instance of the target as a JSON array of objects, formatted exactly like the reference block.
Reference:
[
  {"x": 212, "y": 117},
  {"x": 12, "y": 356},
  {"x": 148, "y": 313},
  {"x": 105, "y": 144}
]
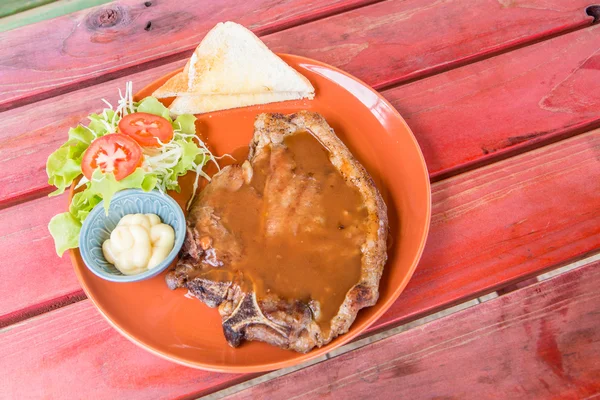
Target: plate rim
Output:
[{"x": 339, "y": 340}]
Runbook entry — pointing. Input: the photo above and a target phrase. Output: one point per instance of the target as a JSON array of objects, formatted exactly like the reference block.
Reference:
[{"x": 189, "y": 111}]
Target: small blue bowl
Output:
[{"x": 98, "y": 226}]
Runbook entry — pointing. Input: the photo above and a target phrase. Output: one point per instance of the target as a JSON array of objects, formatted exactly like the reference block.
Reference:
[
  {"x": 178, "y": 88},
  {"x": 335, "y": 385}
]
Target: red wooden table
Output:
[{"x": 504, "y": 99}]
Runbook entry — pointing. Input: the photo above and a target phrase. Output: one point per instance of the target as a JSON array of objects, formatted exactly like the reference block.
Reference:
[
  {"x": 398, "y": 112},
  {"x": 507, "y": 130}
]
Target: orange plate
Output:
[{"x": 184, "y": 330}]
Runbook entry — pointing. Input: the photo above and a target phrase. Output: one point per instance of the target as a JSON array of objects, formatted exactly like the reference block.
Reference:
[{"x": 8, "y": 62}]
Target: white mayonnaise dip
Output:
[{"x": 138, "y": 243}]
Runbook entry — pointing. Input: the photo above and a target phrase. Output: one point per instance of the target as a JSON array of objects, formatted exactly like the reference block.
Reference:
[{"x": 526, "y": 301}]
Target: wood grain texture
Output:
[
  {"x": 504, "y": 104},
  {"x": 73, "y": 353},
  {"x": 466, "y": 116},
  {"x": 54, "y": 9},
  {"x": 539, "y": 342},
  {"x": 504, "y": 223},
  {"x": 31, "y": 270},
  {"x": 491, "y": 226},
  {"x": 104, "y": 42},
  {"x": 396, "y": 41},
  {"x": 383, "y": 44}
]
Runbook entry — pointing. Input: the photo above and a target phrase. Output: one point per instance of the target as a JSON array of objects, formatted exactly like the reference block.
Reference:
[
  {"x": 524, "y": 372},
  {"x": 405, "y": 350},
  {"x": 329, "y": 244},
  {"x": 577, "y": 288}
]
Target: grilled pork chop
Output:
[{"x": 291, "y": 244}]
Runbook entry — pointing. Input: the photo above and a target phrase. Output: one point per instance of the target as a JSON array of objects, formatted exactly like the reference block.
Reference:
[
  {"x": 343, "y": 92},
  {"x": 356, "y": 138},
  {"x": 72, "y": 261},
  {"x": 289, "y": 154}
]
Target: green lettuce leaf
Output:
[
  {"x": 104, "y": 123},
  {"x": 63, "y": 166},
  {"x": 186, "y": 123},
  {"x": 105, "y": 185},
  {"x": 80, "y": 136},
  {"x": 82, "y": 203},
  {"x": 190, "y": 151},
  {"x": 65, "y": 229},
  {"x": 151, "y": 105}
]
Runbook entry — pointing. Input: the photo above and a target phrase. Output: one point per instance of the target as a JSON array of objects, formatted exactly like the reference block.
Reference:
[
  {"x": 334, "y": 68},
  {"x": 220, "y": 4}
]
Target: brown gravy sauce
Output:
[{"x": 298, "y": 224}]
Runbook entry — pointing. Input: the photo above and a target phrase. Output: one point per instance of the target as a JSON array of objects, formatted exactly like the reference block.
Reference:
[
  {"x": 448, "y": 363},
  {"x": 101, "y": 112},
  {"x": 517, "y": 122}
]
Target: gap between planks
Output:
[
  {"x": 554, "y": 270},
  {"x": 390, "y": 332},
  {"x": 485, "y": 55},
  {"x": 434, "y": 177},
  {"x": 325, "y": 13},
  {"x": 496, "y": 144},
  {"x": 513, "y": 151},
  {"x": 22, "y": 315},
  {"x": 77, "y": 295},
  {"x": 41, "y": 308},
  {"x": 305, "y": 20}
]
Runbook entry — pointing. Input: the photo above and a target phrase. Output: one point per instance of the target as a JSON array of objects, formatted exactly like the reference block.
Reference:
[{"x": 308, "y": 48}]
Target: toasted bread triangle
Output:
[
  {"x": 175, "y": 86},
  {"x": 232, "y": 60}
]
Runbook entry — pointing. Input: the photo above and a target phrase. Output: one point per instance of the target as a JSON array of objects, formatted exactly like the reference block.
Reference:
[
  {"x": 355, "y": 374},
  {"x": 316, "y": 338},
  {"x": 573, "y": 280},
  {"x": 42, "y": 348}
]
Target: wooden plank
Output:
[
  {"x": 490, "y": 227},
  {"x": 504, "y": 223},
  {"x": 27, "y": 253},
  {"x": 73, "y": 353},
  {"x": 10, "y": 7},
  {"x": 539, "y": 342},
  {"x": 54, "y": 9},
  {"x": 461, "y": 118},
  {"x": 397, "y": 41},
  {"x": 87, "y": 46},
  {"x": 403, "y": 39},
  {"x": 488, "y": 110},
  {"x": 109, "y": 366}
]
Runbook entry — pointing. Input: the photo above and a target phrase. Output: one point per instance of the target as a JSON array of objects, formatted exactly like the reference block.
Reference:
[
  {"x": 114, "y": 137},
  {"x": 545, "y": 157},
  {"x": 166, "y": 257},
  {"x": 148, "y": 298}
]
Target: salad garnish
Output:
[{"x": 135, "y": 146}]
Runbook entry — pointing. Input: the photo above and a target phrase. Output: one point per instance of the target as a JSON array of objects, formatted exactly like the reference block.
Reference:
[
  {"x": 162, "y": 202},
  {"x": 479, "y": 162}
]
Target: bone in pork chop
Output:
[{"x": 291, "y": 244}]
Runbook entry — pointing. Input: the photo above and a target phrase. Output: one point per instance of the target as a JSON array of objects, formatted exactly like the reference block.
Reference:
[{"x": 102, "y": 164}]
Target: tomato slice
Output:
[
  {"x": 145, "y": 128},
  {"x": 114, "y": 153}
]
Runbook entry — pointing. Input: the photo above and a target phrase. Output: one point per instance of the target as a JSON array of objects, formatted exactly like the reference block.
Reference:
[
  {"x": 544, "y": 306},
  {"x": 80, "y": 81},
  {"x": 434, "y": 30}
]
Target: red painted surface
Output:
[
  {"x": 88, "y": 46},
  {"x": 504, "y": 223},
  {"x": 73, "y": 353},
  {"x": 501, "y": 105},
  {"x": 466, "y": 116},
  {"x": 480, "y": 239},
  {"x": 395, "y": 41},
  {"x": 31, "y": 271},
  {"x": 539, "y": 342},
  {"x": 401, "y": 39},
  {"x": 490, "y": 226}
]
